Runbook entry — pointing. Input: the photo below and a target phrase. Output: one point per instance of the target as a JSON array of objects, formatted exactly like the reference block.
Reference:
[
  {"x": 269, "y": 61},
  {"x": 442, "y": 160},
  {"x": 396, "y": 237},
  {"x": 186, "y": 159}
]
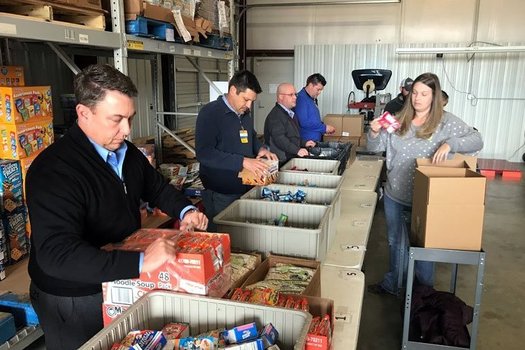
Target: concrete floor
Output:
[{"x": 502, "y": 315}]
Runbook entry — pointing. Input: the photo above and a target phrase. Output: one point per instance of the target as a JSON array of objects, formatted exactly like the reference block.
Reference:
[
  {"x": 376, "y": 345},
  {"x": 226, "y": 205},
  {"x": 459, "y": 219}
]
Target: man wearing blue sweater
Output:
[
  {"x": 312, "y": 128},
  {"x": 226, "y": 142}
]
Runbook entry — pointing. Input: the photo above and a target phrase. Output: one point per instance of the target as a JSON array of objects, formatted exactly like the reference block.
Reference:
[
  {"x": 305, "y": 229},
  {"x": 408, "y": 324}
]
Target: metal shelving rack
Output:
[
  {"x": 58, "y": 34},
  {"x": 453, "y": 257}
]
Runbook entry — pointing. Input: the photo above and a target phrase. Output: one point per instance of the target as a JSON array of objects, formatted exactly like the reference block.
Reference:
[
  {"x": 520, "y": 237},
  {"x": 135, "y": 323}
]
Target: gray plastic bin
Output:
[
  {"x": 247, "y": 223},
  {"x": 314, "y": 195},
  {"x": 323, "y": 166},
  {"x": 308, "y": 180},
  {"x": 157, "y": 308}
]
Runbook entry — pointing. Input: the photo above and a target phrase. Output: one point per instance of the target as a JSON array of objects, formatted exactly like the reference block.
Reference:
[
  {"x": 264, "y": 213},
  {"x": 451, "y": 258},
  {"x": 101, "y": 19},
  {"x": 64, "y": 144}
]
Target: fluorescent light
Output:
[{"x": 459, "y": 50}]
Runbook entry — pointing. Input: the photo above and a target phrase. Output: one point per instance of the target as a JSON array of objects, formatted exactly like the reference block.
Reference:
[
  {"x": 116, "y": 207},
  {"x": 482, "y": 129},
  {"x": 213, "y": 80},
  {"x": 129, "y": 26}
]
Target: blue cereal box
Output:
[
  {"x": 241, "y": 334},
  {"x": 11, "y": 191},
  {"x": 16, "y": 234}
]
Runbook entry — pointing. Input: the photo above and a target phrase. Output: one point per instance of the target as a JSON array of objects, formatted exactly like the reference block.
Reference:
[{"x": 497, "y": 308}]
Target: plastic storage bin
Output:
[
  {"x": 314, "y": 195},
  {"x": 309, "y": 180},
  {"x": 323, "y": 166},
  {"x": 157, "y": 308},
  {"x": 247, "y": 223}
]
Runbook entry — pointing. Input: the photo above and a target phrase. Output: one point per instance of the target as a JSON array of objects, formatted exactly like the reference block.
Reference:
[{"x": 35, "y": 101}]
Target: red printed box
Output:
[
  {"x": 322, "y": 308},
  {"x": 202, "y": 266}
]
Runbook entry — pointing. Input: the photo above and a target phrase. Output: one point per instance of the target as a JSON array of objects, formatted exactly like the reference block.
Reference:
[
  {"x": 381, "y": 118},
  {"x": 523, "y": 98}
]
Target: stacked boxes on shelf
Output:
[
  {"x": 13, "y": 211},
  {"x": 26, "y": 128}
]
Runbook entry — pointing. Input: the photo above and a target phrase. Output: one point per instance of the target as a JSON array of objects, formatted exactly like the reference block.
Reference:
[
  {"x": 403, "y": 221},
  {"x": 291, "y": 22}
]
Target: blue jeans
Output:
[
  {"x": 398, "y": 228},
  {"x": 214, "y": 203}
]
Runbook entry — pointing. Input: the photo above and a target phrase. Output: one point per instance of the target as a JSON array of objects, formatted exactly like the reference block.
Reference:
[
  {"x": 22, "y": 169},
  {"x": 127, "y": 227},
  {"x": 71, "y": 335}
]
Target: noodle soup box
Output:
[
  {"x": 23, "y": 140},
  {"x": 202, "y": 266},
  {"x": 25, "y": 103}
]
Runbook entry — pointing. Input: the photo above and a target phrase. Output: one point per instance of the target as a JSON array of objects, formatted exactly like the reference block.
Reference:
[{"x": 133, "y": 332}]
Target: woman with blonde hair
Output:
[{"x": 426, "y": 131}]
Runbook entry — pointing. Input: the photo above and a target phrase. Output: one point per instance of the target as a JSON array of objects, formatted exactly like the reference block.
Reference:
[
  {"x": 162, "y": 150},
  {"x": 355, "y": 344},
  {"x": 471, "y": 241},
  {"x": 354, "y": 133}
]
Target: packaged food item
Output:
[
  {"x": 241, "y": 334},
  {"x": 388, "y": 122},
  {"x": 252, "y": 345},
  {"x": 141, "y": 340},
  {"x": 12, "y": 76},
  {"x": 25, "y": 103},
  {"x": 175, "y": 330},
  {"x": 23, "y": 140},
  {"x": 269, "y": 335},
  {"x": 250, "y": 178}
]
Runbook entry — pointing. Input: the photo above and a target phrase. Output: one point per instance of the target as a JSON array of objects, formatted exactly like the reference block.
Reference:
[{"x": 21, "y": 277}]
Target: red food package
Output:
[{"x": 388, "y": 122}]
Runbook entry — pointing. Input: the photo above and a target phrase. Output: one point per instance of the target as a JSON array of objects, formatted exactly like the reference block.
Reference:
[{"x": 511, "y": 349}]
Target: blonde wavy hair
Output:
[{"x": 435, "y": 114}]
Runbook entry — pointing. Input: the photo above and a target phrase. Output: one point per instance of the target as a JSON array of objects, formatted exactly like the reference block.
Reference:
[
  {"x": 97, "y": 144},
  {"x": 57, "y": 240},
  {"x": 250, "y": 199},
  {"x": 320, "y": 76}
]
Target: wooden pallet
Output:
[{"x": 57, "y": 13}]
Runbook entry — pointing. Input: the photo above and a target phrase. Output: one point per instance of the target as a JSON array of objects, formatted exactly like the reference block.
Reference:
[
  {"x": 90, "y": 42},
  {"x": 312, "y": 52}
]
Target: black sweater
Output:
[
  {"x": 219, "y": 148},
  {"x": 77, "y": 204}
]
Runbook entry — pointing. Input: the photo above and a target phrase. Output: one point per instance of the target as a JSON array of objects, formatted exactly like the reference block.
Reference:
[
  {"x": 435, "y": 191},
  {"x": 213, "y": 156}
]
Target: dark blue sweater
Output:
[{"x": 219, "y": 148}]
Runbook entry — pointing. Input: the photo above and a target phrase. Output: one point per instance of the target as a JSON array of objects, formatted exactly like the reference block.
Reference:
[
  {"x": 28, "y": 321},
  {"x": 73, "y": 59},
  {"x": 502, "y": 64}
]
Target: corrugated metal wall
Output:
[
  {"x": 192, "y": 90},
  {"x": 486, "y": 90}
]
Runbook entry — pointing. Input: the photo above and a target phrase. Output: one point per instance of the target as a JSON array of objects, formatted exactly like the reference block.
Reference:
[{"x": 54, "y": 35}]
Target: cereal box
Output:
[
  {"x": 25, "y": 103},
  {"x": 23, "y": 140},
  {"x": 11, "y": 193},
  {"x": 15, "y": 228},
  {"x": 12, "y": 76}
]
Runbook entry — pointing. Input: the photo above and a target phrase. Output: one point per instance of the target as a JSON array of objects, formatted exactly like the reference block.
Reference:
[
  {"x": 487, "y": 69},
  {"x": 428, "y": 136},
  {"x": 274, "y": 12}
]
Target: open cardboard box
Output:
[
  {"x": 448, "y": 205},
  {"x": 320, "y": 307},
  {"x": 313, "y": 289}
]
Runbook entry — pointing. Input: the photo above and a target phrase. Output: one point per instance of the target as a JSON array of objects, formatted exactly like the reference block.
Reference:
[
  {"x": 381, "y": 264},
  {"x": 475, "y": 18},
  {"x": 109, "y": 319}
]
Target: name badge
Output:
[{"x": 244, "y": 136}]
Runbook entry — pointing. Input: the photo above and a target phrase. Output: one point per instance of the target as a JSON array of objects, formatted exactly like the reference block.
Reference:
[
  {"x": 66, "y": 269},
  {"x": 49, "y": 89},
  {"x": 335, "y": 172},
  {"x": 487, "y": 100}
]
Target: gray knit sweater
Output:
[{"x": 402, "y": 151}]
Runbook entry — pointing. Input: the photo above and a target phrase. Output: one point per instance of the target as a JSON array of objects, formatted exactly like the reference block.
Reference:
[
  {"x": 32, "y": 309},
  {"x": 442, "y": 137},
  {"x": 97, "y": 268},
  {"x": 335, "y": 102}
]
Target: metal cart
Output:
[{"x": 453, "y": 257}]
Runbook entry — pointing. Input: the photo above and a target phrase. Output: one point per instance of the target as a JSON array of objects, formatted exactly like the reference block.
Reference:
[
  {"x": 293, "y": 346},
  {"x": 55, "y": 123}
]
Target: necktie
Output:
[{"x": 113, "y": 162}]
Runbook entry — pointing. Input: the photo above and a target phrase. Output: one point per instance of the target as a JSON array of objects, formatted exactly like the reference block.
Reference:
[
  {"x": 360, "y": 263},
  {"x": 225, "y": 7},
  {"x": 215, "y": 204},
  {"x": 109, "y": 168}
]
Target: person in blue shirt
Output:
[
  {"x": 309, "y": 117},
  {"x": 226, "y": 142}
]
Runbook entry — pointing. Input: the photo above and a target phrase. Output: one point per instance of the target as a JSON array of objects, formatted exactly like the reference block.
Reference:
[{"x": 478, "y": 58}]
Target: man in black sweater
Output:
[
  {"x": 84, "y": 192},
  {"x": 226, "y": 142},
  {"x": 281, "y": 128},
  {"x": 395, "y": 105}
]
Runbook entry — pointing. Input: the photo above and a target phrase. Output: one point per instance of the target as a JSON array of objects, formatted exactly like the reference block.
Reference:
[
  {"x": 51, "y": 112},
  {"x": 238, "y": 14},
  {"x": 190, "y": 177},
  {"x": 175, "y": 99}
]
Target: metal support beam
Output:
[
  {"x": 120, "y": 55},
  {"x": 204, "y": 76},
  {"x": 64, "y": 57}
]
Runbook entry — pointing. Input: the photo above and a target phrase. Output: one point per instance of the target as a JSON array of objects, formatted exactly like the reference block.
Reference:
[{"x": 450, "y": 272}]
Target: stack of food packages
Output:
[
  {"x": 180, "y": 175},
  {"x": 242, "y": 264},
  {"x": 26, "y": 127},
  {"x": 202, "y": 266},
  {"x": 176, "y": 336},
  {"x": 217, "y": 12},
  {"x": 282, "y": 287}
]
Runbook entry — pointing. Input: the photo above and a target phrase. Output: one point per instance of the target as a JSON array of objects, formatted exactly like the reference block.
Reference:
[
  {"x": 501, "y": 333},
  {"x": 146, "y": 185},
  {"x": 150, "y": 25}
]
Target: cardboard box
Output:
[
  {"x": 240, "y": 281},
  {"x": 328, "y": 138},
  {"x": 202, "y": 266},
  {"x": 249, "y": 178},
  {"x": 15, "y": 230},
  {"x": 448, "y": 206},
  {"x": 320, "y": 307},
  {"x": 11, "y": 190},
  {"x": 25, "y": 163},
  {"x": 111, "y": 311},
  {"x": 134, "y": 8},
  {"x": 352, "y": 125},
  {"x": 313, "y": 289},
  {"x": 12, "y": 76},
  {"x": 355, "y": 140},
  {"x": 25, "y": 103},
  {"x": 23, "y": 140},
  {"x": 336, "y": 120}
]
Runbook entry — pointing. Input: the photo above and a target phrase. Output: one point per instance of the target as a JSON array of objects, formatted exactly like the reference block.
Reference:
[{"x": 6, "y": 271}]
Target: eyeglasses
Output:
[{"x": 290, "y": 94}]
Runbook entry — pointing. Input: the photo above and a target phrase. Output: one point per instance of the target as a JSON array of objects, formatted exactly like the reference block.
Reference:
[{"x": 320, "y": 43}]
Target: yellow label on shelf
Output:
[{"x": 135, "y": 45}]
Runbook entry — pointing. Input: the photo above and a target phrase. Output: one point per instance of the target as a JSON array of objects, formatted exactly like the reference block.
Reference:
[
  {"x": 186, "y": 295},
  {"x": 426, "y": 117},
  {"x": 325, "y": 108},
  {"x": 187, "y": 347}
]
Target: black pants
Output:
[{"x": 67, "y": 322}]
